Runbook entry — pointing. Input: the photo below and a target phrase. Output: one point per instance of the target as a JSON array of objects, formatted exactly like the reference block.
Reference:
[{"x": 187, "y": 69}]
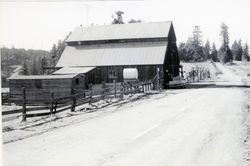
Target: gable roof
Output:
[
  {"x": 139, "y": 53},
  {"x": 121, "y": 31},
  {"x": 116, "y": 45},
  {"x": 43, "y": 77}
]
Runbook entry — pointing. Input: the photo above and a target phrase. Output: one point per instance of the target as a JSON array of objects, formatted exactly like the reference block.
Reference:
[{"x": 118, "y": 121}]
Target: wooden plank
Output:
[
  {"x": 6, "y": 119},
  {"x": 20, "y": 110},
  {"x": 38, "y": 114},
  {"x": 63, "y": 109}
]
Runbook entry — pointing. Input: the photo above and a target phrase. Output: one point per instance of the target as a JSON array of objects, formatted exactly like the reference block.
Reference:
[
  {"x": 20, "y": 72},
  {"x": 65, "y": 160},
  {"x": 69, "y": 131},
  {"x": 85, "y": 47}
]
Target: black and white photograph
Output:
[{"x": 125, "y": 82}]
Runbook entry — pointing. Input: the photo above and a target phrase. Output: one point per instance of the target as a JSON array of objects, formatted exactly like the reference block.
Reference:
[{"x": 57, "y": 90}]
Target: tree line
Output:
[
  {"x": 29, "y": 60},
  {"x": 195, "y": 51}
]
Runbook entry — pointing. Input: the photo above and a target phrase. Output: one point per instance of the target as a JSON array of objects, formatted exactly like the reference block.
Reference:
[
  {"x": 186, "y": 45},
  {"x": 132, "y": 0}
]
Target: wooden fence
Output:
[
  {"x": 56, "y": 105},
  {"x": 197, "y": 74}
]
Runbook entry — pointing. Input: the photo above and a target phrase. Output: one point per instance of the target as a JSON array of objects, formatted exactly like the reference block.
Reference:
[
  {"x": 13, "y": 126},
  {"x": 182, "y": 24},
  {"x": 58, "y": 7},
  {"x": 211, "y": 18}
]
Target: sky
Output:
[{"x": 39, "y": 24}]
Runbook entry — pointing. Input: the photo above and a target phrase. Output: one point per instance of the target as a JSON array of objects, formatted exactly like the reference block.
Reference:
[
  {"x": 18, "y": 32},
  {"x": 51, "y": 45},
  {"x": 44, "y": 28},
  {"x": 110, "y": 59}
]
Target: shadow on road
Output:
[{"x": 196, "y": 86}]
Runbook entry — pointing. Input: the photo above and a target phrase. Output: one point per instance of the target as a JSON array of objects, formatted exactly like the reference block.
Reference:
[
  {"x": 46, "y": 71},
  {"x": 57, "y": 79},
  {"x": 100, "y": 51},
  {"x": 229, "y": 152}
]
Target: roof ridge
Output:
[
  {"x": 121, "y": 31},
  {"x": 98, "y": 25}
]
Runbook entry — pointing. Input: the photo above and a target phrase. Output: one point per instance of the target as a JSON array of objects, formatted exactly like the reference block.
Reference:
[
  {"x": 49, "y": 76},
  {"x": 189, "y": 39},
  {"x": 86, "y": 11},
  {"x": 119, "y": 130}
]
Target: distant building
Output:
[{"x": 108, "y": 49}]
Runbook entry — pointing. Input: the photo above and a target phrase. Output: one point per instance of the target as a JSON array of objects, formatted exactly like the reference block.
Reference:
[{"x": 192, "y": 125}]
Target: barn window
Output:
[
  {"x": 77, "y": 81},
  {"x": 38, "y": 84},
  {"x": 111, "y": 72}
]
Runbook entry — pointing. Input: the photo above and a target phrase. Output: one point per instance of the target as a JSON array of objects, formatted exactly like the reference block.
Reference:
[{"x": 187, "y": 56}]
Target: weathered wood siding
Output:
[
  {"x": 100, "y": 74},
  {"x": 78, "y": 83},
  {"x": 40, "y": 89}
]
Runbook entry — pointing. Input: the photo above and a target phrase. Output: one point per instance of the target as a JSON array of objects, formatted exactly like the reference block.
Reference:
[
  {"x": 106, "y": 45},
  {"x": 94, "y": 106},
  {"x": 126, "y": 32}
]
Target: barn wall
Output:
[
  {"x": 78, "y": 83},
  {"x": 172, "y": 62},
  {"x": 107, "y": 73},
  {"x": 40, "y": 89}
]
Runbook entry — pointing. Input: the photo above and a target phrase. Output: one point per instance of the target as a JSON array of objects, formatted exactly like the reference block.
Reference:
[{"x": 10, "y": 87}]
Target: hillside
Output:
[{"x": 13, "y": 58}]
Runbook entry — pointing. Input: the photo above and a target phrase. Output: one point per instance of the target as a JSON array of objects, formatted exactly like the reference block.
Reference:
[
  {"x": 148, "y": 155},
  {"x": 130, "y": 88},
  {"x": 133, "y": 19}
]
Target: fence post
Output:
[
  {"x": 125, "y": 88},
  {"x": 24, "y": 104},
  {"x": 2, "y": 98},
  {"x": 90, "y": 94},
  {"x": 131, "y": 88},
  {"x": 73, "y": 104},
  {"x": 143, "y": 87},
  {"x": 137, "y": 88},
  {"x": 51, "y": 102},
  {"x": 193, "y": 75},
  {"x": 198, "y": 74},
  {"x": 103, "y": 90},
  {"x": 55, "y": 107},
  {"x": 122, "y": 90},
  {"x": 114, "y": 84}
]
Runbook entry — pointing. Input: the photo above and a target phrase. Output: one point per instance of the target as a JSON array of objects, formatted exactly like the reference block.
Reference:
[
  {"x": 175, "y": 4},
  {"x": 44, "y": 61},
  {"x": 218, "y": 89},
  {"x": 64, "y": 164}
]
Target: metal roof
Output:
[
  {"x": 37, "y": 77},
  {"x": 121, "y": 31},
  {"x": 73, "y": 70},
  {"x": 139, "y": 53}
]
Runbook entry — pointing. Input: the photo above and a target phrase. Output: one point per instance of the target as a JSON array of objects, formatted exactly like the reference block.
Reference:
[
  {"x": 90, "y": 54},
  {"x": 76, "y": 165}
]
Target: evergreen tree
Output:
[
  {"x": 239, "y": 51},
  {"x": 245, "y": 54},
  {"x": 54, "y": 51},
  {"x": 225, "y": 53},
  {"x": 182, "y": 51},
  {"x": 25, "y": 69},
  {"x": 134, "y": 21},
  {"x": 60, "y": 48},
  {"x": 214, "y": 53},
  {"x": 118, "y": 19},
  {"x": 234, "y": 48},
  {"x": 198, "y": 52},
  {"x": 224, "y": 36},
  {"x": 34, "y": 70},
  {"x": 207, "y": 50},
  {"x": 197, "y": 36}
]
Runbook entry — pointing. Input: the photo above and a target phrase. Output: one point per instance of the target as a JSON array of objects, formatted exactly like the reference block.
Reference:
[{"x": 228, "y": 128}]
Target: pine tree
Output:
[
  {"x": 234, "y": 48},
  {"x": 118, "y": 19},
  {"x": 239, "y": 51},
  {"x": 25, "y": 69},
  {"x": 54, "y": 51},
  {"x": 134, "y": 21},
  {"x": 196, "y": 41},
  {"x": 245, "y": 54},
  {"x": 197, "y": 36},
  {"x": 225, "y": 53},
  {"x": 214, "y": 53},
  {"x": 60, "y": 48},
  {"x": 34, "y": 70},
  {"x": 182, "y": 51},
  {"x": 224, "y": 35},
  {"x": 207, "y": 50}
]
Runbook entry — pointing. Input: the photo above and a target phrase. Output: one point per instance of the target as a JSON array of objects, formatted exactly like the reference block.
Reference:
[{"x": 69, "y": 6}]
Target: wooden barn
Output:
[
  {"x": 97, "y": 54},
  {"x": 38, "y": 87},
  {"x": 106, "y": 50}
]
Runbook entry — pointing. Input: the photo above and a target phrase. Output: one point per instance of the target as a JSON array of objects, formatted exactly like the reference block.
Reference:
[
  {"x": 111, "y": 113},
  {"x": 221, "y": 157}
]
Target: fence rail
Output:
[
  {"x": 60, "y": 104},
  {"x": 197, "y": 74}
]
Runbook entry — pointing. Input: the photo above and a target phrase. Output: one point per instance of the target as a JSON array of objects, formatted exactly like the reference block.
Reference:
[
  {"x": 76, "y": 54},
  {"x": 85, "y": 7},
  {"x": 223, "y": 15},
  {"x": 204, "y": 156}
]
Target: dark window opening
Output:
[
  {"x": 38, "y": 84},
  {"x": 111, "y": 72},
  {"x": 77, "y": 81}
]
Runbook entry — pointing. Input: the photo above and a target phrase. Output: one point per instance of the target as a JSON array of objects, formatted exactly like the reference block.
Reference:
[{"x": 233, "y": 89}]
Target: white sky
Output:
[{"x": 38, "y": 25}]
